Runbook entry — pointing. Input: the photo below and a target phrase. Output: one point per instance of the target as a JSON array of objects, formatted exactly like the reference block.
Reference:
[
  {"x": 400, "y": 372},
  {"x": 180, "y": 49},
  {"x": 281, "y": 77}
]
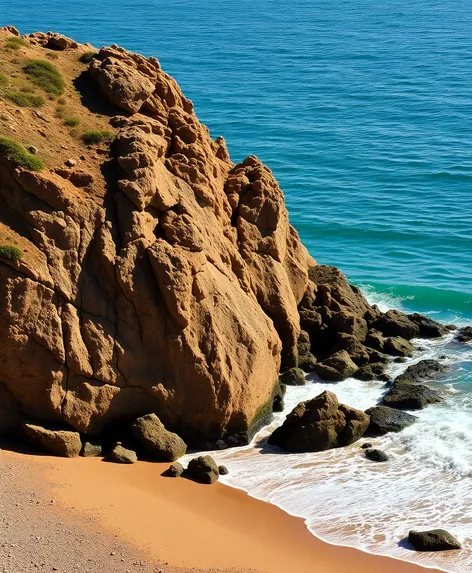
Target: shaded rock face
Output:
[
  {"x": 434, "y": 540},
  {"x": 155, "y": 440},
  {"x": 384, "y": 420},
  {"x": 464, "y": 334},
  {"x": 293, "y": 377},
  {"x": 64, "y": 443},
  {"x": 320, "y": 424}
]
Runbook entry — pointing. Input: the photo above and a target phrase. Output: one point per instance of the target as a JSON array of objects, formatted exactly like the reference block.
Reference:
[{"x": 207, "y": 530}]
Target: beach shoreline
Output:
[{"x": 178, "y": 525}]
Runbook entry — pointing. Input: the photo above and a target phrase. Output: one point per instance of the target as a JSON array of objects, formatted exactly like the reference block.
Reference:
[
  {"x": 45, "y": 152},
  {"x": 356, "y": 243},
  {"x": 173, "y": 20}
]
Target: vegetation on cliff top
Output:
[
  {"x": 15, "y": 43},
  {"x": 15, "y": 152},
  {"x": 45, "y": 75},
  {"x": 25, "y": 99}
]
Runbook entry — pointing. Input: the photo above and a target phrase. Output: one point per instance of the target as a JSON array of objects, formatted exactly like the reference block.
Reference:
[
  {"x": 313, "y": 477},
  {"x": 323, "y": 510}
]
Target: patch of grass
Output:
[
  {"x": 3, "y": 80},
  {"x": 87, "y": 57},
  {"x": 45, "y": 76},
  {"x": 15, "y": 43},
  {"x": 52, "y": 56},
  {"x": 15, "y": 152},
  {"x": 62, "y": 101},
  {"x": 72, "y": 121},
  {"x": 22, "y": 99},
  {"x": 10, "y": 253},
  {"x": 94, "y": 137}
]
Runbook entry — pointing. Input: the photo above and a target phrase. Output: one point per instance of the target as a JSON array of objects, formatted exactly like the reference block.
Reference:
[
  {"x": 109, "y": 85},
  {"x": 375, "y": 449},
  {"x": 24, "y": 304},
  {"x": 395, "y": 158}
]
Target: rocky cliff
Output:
[{"x": 154, "y": 275}]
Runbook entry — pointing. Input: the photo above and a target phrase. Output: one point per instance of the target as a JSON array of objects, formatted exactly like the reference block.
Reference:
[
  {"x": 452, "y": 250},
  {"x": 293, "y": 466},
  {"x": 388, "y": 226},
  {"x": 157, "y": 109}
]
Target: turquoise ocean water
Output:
[{"x": 363, "y": 110}]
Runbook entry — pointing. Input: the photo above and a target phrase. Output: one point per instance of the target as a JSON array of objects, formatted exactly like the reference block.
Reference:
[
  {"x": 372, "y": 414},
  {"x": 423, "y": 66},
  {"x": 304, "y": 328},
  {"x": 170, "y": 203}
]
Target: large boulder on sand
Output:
[
  {"x": 155, "y": 440},
  {"x": 433, "y": 540},
  {"x": 122, "y": 455},
  {"x": 337, "y": 367},
  {"x": 320, "y": 424},
  {"x": 384, "y": 420},
  {"x": 59, "y": 442},
  {"x": 203, "y": 470}
]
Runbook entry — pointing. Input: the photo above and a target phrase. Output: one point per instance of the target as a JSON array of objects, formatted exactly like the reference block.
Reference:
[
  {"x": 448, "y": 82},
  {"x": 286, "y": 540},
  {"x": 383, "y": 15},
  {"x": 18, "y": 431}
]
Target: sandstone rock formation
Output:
[
  {"x": 320, "y": 424},
  {"x": 58, "y": 442},
  {"x": 158, "y": 277}
]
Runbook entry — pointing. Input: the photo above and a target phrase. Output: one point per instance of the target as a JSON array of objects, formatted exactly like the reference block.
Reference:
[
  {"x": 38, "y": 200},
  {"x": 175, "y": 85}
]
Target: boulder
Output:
[
  {"x": 375, "y": 340},
  {"x": 421, "y": 371},
  {"x": 396, "y": 323},
  {"x": 223, "y": 470},
  {"x": 320, "y": 424},
  {"x": 59, "y": 442},
  {"x": 278, "y": 399},
  {"x": 91, "y": 449},
  {"x": 293, "y": 377},
  {"x": 376, "y": 455},
  {"x": 398, "y": 346},
  {"x": 366, "y": 446},
  {"x": 384, "y": 420},
  {"x": 410, "y": 396},
  {"x": 155, "y": 440},
  {"x": 203, "y": 470},
  {"x": 337, "y": 367},
  {"x": 349, "y": 323},
  {"x": 433, "y": 540},
  {"x": 429, "y": 328},
  {"x": 174, "y": 470},
  {"x": 356, "y": 350},
  {"x": 465, "y": 334},
  {"x": 122, "y": 455}
]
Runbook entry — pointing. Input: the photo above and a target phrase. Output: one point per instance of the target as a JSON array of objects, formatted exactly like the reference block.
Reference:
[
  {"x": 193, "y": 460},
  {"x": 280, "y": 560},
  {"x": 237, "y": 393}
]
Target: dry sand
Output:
[{"x": 109, "y": 518}]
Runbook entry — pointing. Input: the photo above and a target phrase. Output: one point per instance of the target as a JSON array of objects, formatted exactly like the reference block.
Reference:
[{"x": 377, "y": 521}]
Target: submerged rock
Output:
[
  {"x": 59, "y": 442},
  {"x": 203, "y": 470},
  {"x": 376, "y": 455},
  {"x": 433, "y": 540},
  {"x": 429, "y": 328},
  {"x": 421, "y": 371},
  {"x": 406, "y": 396},
  {"x": 384, "y": 420},
  {"x": 155, "y": 440},
  {"x": 320, "y": 424},
  {"x": 465, "y": 334}
]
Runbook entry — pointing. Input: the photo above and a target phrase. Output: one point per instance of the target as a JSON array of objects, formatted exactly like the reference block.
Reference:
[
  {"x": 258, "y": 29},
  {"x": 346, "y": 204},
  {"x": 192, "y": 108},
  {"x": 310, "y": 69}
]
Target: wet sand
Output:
[{"x": 117, "y": 518}]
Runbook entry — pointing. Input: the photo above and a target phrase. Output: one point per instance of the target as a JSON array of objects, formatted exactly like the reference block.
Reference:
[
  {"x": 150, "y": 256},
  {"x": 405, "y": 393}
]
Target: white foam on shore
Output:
[{"x": 347, "y": 500}]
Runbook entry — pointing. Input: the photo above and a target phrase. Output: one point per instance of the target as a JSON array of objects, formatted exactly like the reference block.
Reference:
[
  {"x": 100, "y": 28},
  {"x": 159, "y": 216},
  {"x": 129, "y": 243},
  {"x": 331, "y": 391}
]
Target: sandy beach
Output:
[{"x": 55, "y": 510}]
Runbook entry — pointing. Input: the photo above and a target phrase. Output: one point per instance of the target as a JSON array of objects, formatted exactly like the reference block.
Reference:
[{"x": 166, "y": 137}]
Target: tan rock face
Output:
[{"x": 176, "y": 295}]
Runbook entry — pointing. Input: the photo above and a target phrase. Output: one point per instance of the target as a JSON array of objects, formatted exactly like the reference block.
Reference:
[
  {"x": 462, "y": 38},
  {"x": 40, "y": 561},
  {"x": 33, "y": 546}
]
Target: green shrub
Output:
[
  {"x": 25, "y": 99},
  {"x": 15, "y": 152},
  {"x": 45, "y": 76},
  {"x": 3, "y": 79},
  {"x": 15, "y": 43},
  {"x": 71, "y": 121},
  {"x": 87, "y": 57},
  {"x": 93, "y": 137},
  {"x": 10, "y": 253}
]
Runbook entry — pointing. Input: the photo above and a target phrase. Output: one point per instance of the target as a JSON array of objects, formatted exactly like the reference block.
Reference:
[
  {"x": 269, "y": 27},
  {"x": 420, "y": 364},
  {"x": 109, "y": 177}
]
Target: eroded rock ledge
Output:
[{"x": 182, "y": 290}]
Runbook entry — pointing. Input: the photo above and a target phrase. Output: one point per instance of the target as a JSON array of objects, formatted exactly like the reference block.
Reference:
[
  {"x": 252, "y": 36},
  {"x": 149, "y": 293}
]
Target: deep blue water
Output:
[{"x": 361, "y": 108}]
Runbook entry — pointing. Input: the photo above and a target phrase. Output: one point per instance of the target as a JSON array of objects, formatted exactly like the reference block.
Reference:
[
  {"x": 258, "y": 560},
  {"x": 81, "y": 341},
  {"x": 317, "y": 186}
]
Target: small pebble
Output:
[
  {"x": 71, "y": 162},
  {"x": 32, "y": 149}
]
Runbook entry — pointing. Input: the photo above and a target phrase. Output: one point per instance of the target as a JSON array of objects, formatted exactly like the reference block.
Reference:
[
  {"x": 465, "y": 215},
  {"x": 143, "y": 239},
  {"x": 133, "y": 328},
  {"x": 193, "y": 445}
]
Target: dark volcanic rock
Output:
[
  {"x": 384, "y": 420},
  {"x": 396, "y": 323},
  {"x": 464, "y": 334},
  {"x": 434, "y": 540},
  {"x": 428, "y": 328},
  {"x": 423, "y": 370},
  {"x": 174, "y": 470},
  {"x": 337, "y": 367},
  {"x": 293, "y": 377},
  {"x": 203, "y": 470},
  {"x": 320, "y": 424},
  {"x": 405, "y": 396},
  {"x": 376, "y": 455},
  {"x": 156, "y": 440}
]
